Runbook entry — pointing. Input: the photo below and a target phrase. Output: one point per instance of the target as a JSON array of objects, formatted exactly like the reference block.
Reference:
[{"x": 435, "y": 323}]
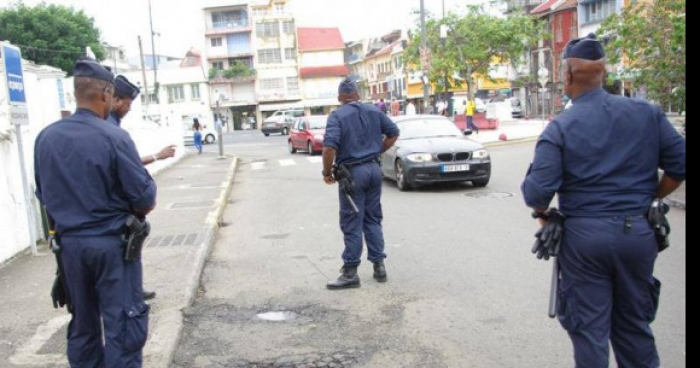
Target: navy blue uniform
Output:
[
  {"x": 90, "y": 178},
  {"x": 356, "y": 132},
  {"x": 114, "y": 119},
  {"x": 602, "y": 157}
]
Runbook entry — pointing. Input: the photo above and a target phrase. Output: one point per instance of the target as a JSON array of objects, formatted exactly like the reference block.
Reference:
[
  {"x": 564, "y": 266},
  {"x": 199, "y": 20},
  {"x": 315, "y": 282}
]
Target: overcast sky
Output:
[{"x": 180, "y": 23}]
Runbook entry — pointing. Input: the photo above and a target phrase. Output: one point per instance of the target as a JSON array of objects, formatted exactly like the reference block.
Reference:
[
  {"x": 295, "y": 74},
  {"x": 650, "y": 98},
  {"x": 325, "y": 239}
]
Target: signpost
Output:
[
  {"x": 19, "y": 115},
  {"x": 543, "y": 76}
]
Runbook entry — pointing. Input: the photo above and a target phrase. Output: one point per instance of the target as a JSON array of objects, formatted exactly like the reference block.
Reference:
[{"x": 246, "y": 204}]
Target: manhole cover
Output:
[
  {"x": 489, "y": 195},
  {"x": 277, "y": 316}
]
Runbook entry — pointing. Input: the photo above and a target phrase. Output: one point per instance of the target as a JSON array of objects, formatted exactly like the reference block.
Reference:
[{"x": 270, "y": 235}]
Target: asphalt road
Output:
[{"x": 463, "y": 290}]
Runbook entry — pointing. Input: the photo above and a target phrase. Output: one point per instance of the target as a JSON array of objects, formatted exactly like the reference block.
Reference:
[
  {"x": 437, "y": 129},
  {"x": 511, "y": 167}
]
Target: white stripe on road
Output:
[
  {"x": 27, "y": 354},
  {"x": 257, "y": 165},
  {"x": 287, "y": 162},
  {"x": 315, "y": 159}
]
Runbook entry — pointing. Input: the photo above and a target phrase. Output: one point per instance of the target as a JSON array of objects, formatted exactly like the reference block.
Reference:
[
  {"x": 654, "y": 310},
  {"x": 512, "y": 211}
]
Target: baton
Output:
[
  {"x": 554, "y": 293},
  {"x": 352, "y": 203}
]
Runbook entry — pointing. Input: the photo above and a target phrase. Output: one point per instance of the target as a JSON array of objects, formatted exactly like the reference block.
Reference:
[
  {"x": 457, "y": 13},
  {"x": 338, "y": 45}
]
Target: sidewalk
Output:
[{"x": 192, "y": 195}]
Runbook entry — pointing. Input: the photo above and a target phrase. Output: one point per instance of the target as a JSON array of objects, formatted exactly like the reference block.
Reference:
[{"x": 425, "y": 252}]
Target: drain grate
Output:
[
  {"x": 185, "y": 205},
  {"x": 177, "y": 240},
  {"x": 489, "y": 195}
]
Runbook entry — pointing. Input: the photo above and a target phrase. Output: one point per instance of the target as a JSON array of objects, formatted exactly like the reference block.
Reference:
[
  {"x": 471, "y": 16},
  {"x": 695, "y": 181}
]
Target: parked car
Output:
[
  {"x": 281, "y": 122},
  {"x": 517, "y": 108},
  {"x": 208, "y": 132},
  {"x": 432, "y": 149},
  {"x": 307, "y": 134}
]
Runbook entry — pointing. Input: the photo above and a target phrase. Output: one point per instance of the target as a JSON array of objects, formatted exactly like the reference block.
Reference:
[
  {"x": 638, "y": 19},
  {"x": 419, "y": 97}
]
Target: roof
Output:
[
  {"x": 544, "y": 7},
  {"x": 565, "y": 5},
  {"x": 324, "y": 71},
  {"x": 319, "y": 39},
  {"x": 386, "y": 50}
]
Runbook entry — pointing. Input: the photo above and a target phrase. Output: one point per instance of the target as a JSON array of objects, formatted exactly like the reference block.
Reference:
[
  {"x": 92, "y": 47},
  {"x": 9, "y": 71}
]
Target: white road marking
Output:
[
  {"x": 27, "y": 353},
  {"x": 315, "y": 159},
  {"x": 287, "y": 162},
  {"x": 257, "y": 165}
]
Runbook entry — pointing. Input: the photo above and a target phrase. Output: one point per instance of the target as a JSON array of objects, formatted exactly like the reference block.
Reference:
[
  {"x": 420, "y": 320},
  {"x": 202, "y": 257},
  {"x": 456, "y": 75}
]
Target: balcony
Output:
[{"x": 228, "y": 28}]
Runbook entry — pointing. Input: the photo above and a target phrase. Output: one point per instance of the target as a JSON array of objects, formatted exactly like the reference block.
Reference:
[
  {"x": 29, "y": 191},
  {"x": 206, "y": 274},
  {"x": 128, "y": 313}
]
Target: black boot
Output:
[
  {"x": 148, "y": 295},
  {"x": 347, "y": 280},
  {"x": 380, "y": 271}
]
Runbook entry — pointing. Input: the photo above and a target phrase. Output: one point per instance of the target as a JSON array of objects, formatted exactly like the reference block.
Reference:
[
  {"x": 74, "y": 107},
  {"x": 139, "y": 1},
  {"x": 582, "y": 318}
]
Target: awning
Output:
[
  {"x": 322, "y": 102},
  {"x": 282, "y": 106}
]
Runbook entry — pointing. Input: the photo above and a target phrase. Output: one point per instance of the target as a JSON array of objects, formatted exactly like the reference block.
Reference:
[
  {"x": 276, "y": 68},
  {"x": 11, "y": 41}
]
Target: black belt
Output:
[{"x": 359, "y": 163}]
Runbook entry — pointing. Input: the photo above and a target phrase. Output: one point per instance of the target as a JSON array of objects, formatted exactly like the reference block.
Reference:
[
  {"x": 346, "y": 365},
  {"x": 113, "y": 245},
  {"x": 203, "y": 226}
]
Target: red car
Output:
[{"x": 307, "y": 134}]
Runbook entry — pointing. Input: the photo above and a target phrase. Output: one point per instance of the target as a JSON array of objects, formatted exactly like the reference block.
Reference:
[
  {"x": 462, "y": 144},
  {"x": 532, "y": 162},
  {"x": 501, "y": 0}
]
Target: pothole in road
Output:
[
  {"x": 281, "y": 316},
  {"x": 489, "y": 195}
]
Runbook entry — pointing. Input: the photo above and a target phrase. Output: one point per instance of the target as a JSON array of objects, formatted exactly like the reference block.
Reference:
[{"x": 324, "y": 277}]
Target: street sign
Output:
[
  {"x": 19, "y": 115},
  {"x": 12, "y": 57}
]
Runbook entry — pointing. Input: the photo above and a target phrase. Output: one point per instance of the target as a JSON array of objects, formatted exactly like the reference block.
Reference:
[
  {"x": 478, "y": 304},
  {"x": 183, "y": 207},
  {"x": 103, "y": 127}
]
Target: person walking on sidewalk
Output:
[
  {"x": 125, "y": 93},
  {"x": 469, "y": 109},
  {"x": 606, "y": 184},
  {"x": 90, "y": 179},
  {"x": 197, "y": 136},
  {"x": 356, "y": 135}
]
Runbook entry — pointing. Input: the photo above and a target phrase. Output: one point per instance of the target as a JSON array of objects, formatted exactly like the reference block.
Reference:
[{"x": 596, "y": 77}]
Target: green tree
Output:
[
  {"x": 474, "y": 41},
  {"x": 54, "y": 35},
  {"x": 651, "y": 37}
]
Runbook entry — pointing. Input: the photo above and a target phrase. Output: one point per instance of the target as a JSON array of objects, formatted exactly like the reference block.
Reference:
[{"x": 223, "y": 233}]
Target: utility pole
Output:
[
  {"x": 424, "y": 57},
  {"x": 143, "y": 71},
  {"x": 153, "y": 48}
]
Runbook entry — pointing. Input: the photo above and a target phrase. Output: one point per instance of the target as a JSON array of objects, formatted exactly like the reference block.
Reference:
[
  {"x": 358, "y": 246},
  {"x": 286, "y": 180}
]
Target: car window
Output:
[
  {"x": 298, "y": 113},
  {"x": 428, "y": 128},
  {"x": 318, "y": 122},
  {"x": 302, "y": 125}
]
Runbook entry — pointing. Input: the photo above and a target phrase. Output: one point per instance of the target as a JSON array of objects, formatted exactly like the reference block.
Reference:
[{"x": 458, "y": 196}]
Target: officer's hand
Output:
[
  {"x": 166, "y": 152},
  {"x": 329, "y": 180}
]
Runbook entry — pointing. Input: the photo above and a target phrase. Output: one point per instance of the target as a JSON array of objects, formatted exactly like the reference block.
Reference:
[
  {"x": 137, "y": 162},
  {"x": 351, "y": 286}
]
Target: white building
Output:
[{"x": 322, "y": 68}]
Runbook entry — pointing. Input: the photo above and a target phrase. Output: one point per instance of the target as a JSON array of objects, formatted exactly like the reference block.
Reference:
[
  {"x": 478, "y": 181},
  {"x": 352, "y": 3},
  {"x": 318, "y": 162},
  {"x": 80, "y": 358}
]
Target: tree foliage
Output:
[
  {"x": 54, "y": 35},
  {"x": 475, "y": 40},
  {"x": 651, "y": 37}
]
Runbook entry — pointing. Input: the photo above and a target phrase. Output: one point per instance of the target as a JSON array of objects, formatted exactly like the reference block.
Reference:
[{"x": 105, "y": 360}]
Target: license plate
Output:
[{"x": 454, "y": 168}]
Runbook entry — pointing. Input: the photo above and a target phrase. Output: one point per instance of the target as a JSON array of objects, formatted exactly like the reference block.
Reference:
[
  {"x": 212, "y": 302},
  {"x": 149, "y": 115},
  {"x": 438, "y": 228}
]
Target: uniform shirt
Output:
[
  {"x": 89, "y": 175},
  {"x": 355, "y": 131},
  {"x": 114, "y": 119},
  {"x": 602, "y": 156}
]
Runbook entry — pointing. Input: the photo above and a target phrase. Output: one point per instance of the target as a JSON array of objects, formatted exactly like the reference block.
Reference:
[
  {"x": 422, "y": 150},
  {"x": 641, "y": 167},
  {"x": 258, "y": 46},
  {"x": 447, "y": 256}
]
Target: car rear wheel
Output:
[
  {"x": 310, "y": 148},
  {"x": 209, "y": 139},
  {"x": 401, "y": 180},
  {"x": 285, "y": 131},
  {"x": 481, "y": 182},
  {"x": 291, "y": 147}
]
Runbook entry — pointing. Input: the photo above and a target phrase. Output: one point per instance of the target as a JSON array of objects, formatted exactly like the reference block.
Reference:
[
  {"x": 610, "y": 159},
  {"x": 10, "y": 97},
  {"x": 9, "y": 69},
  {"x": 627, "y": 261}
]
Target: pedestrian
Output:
[
  {"x": 90, "y": 180},
  {"x": 197, "y": 136},
  {"x": 469, "y": 109},
  {"x": 602, "y": 157},
  {"x": 395, "y": 107},
  {"x": 125, "y": 93},
  {"x": 360, "y": 158},
  {"x": 382, "y": 106},
  {"x": 410, "y": 108}
]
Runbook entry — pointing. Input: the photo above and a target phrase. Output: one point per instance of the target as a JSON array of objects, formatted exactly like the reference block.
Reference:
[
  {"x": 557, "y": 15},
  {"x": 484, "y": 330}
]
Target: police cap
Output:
[
  {"x": 347, "y": 87},
  {"x": 89, "y": 68},
  {"x": 126, "y": 88},
  {"x": 587, "y": 48}
]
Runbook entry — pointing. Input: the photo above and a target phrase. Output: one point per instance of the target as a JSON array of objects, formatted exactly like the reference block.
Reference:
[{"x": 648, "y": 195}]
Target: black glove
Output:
[
  {"x": 58, "y": 293},
  {"x": 659, "y": 223},
  {"x": 549, "y": 238}
]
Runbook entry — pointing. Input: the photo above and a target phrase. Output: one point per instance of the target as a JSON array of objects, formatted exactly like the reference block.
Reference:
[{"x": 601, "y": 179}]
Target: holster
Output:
[
  {"x": 134, "y": 237},
  {"x": 343, "y": 176},
  {"x": 59, "y": 290},
  {"x": 659, "y": 223}
]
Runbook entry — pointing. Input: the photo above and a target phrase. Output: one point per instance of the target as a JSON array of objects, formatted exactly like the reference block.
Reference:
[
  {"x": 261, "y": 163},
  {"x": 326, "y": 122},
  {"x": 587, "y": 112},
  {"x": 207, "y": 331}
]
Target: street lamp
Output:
[
  {"x": 543, "y": 76},
  {"x": 424, "y": 57}
]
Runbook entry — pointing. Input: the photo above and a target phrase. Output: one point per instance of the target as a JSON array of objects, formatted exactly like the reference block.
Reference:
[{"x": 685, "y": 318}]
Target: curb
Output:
[
  {"x": 212, "y": 223},
  {"x": 510, "y": 141}
]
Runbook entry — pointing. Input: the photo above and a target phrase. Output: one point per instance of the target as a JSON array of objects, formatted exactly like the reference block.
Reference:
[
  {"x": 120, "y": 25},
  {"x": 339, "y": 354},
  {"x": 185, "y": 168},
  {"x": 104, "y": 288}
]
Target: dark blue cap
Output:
[
  {"x": 587, "y": 48},
  {"x": 347, "y": 86},
  {"x": 89, "y": 68},
  {"x": 126, "y": 88}
]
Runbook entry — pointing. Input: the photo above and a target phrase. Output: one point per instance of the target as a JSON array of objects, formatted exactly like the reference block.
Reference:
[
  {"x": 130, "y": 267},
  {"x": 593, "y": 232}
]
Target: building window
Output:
[
  {"x": 271, "y": 84},
  {"x": 230, "y": 19},
  {"x": 290, "y": 53},
  {"x": 259, "y": 12},
  {"x": 267, "y": 29},
  {"x": 269, "y": 56},
  {"x": 219, "y": 65},
  {"x": 176, "y": 93},
  {"x": 293, "y": 84},
  {"x": 288, "y": 27},
  {"x": 196, "y": 96},
  {"x": 280, "y": 8},
  {"x": 217, "y": 42}
]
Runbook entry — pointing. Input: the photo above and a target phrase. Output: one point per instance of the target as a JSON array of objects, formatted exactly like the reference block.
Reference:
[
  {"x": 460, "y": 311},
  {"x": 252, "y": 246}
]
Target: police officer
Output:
[
  {"x": 356, "y": 135},
  {"x": 602, "y": 156},
  {"x": 125, "y": 93},
  {"x": 90, "y": 179}
]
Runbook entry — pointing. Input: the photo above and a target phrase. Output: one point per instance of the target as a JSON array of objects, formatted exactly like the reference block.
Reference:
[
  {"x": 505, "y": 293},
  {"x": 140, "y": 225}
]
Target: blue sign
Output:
[{"x": 14, "y": 73}]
